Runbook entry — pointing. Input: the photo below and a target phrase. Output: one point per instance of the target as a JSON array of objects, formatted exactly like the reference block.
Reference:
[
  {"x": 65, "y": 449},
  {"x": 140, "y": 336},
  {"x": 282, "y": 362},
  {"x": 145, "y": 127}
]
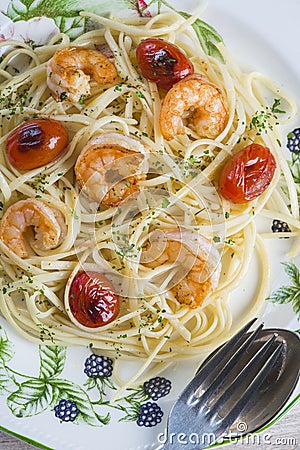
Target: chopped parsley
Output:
[
  {"x": 74, "y": 214},
  {"x": 63, "y": 96},
  {"x": 275, "y": 109},
  {"x": 165, "y": 202}
]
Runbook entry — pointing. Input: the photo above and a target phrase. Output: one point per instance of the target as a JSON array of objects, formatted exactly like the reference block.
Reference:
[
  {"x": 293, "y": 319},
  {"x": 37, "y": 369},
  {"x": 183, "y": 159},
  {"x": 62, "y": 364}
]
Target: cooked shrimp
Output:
[
  {"x": 48, "y": 223},
  {"x": 110, "y": 167},
  {"x": 69, "y": 70},
  {"x": 195, "y": 93},
  {"x": 196, "y": 260}
]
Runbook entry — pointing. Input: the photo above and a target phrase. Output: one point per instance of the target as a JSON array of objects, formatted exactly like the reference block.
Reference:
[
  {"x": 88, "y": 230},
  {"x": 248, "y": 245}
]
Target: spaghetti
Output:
[{"x": 179, "y": 193}]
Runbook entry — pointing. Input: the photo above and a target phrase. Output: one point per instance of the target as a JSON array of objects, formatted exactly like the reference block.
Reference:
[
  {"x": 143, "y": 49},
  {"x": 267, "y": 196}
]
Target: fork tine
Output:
[
  {"x": 246, "y": 396},
  {"x": 252, "y": 369},
  {"x": 220, "y": 379},
  {"x": 216, "y": 359}
]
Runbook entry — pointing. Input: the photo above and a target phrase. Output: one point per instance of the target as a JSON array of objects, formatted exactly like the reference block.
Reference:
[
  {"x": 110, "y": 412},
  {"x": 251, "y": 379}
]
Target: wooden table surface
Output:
[{"x": 285, "y": 435}]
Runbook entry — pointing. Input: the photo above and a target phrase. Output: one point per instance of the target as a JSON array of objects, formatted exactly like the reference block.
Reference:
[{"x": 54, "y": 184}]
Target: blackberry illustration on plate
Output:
[
  {"x": 278, "y": 226},
  {"x": 97, "y": 366},
  {"x": 293, "y": 140},
  {"x": 157, "y": 387},
  {"x": 150, "y": 415},
  {"x": 138, "y": 406},
  {"x": 66, "y": 410}
]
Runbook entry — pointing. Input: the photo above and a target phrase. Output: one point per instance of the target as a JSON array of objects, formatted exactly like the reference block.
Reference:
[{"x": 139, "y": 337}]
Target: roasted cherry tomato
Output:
[
  {"x": 36, "y": 143},
  {"x": 93, "y": 300},
  {"x": 162, "y": 62},
  {"x": 247, "y": 174}
]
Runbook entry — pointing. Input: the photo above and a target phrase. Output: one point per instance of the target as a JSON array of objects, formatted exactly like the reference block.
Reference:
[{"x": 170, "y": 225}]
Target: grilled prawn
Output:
[
  {"x": 195, "y": 93},
  {"x": 196, "y": 258},
  {"x": 110, "y": 168},
  {"x": 48, "y": 224},
  {"x": 69, "y": 72}
]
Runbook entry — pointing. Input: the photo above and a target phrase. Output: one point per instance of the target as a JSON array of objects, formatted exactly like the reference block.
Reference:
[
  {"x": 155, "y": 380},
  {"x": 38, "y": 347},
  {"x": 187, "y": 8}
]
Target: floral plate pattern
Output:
[{"x": 48, "y": 386}]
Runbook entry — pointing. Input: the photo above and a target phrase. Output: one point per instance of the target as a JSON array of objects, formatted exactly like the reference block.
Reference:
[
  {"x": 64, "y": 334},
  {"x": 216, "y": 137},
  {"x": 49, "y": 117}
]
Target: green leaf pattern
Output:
[
  {"x": 32, "y": 397},
  {"x": 6, "y": 348},
  {"x": 28, "y": 9},
  {"x": 292, "y": 271},
  {"x": 72, "y": 26},
  {"x": 7, "y": 382},
  {"x": 291, "y": 293},
  {"x": 294, "y": 165},
  {"x": 207, "y": 36},
  {"x": 52, "y": 361}
]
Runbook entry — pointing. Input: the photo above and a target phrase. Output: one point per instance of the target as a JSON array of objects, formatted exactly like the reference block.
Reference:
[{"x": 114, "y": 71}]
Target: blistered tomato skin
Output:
[
  {"x": 247, "y": 174},
  {"x": 92, "y": 300},
  {"x": 162, "y": 62},
  {"x": 35, "y": 143}
]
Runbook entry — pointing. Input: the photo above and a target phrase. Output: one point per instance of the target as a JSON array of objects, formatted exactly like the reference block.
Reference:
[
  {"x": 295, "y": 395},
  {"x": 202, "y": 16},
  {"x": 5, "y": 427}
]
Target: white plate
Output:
[{"x": 264, "y": 36}]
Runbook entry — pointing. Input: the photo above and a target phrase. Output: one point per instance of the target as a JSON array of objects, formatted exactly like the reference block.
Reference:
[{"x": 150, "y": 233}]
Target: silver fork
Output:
[{"x": 220, "y": 391}]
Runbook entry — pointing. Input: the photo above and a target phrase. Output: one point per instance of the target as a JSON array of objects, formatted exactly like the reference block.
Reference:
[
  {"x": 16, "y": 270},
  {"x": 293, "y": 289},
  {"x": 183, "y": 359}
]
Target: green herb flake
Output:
[
  {"x": 74, "y": 214},
  {"x": 275, "y": 109},
  {"x": 118, "y": 87},
  {"x": 63, "y": 96},
  {"x": 165, "y": 202}
]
